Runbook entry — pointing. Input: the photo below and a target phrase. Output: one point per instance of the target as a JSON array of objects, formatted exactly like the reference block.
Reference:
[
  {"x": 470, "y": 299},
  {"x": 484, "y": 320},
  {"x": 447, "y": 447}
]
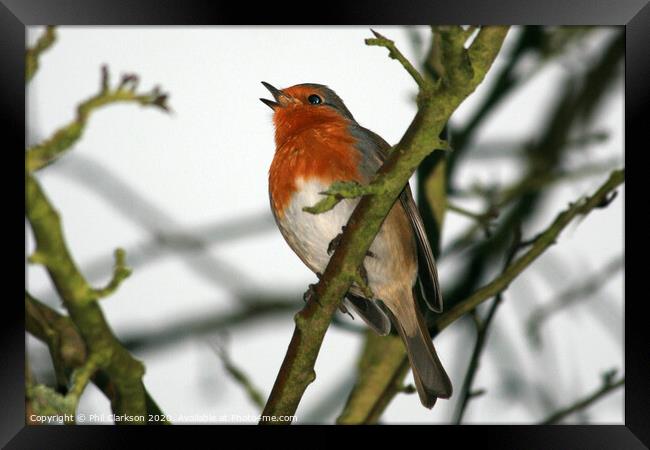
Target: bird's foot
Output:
[
  {"x": 361, "y": 279},
  {"x": 334, "y": 243},
  {"x": 310, "y": 294}
]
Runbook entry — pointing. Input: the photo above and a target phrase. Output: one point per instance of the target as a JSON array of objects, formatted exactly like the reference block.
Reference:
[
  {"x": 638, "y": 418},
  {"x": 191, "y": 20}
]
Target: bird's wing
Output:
[{"x": 375, "y": 148}]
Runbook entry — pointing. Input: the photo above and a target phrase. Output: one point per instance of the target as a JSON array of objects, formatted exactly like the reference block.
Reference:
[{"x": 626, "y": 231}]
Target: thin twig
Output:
[
  {"x": 394, "y": 53},
  {"x": 569, "y": 297},
  {"x": 482, "y": 326},
  {"x": 608, "y": 386},
  {"x": 45, "y": 41},
  {"x": 483, "y": 220},
  {"x": 542, "y": 242},
  {"x": 238, "y": 375},
  {"x": 525, "y": 185},
  {"x": 120, "y": 272},
  {"x": 45, "y": 153}
]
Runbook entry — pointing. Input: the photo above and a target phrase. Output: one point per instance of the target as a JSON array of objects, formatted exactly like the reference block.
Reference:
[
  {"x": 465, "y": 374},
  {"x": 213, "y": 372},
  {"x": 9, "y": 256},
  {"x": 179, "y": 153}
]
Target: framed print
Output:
[{"x": 375, "y": 215}]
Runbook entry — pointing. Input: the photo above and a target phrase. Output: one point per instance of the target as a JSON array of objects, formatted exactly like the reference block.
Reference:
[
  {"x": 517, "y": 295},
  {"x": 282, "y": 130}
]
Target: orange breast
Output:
[{"x": 324, "y": 151}]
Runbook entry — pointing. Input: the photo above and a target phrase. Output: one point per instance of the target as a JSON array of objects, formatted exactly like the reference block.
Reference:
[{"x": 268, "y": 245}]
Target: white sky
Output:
[{"x": 207, "y": 164}]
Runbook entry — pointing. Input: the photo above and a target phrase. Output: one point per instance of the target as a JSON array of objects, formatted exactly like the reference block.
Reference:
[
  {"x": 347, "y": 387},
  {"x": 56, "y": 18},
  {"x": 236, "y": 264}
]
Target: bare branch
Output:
[
  {"x": 482, "y": 327},
  {"x": 45, "y": 153},
  {"x": 394, "y": 53},
  {"x": 542, "y": 242},
  {"x": 238, "y": 375},
  {"x": 120, "y": 272},
  {"x": 608, "y": 386},
  {"x": 570, "y": 297},
  {"x": 45, "y": 41}
]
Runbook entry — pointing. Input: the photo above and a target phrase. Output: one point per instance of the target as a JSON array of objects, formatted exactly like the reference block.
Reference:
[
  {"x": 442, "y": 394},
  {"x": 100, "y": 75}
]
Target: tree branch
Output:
[
  {"x": 436, "y": 105},
  {"x": 238, "y": 375},
  {"x": 45, "y": 153},
  {"x": 33, "y": 54},
  {"x": 67, "y": 348},
  {"x": 482, "y": 326},
  {"x": 608, "y": 386},
  {"x": 381, "y": 355},
  {"x": 394, "y": 53},
  {"x": 571, "y": 296},
  {"x": 81, "y": 302},
  {"x": 49, "y": 402},
  {"x": 120, "y": 272},
  {"x": 542, "y": 242}
]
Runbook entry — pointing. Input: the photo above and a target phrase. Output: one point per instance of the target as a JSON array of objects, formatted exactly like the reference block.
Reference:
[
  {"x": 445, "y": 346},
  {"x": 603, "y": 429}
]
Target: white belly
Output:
[{"x": 310, "y": 234}]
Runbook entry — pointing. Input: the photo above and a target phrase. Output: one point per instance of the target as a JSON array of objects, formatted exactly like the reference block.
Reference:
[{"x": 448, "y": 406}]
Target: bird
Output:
[{"x": 318, "y": 142}]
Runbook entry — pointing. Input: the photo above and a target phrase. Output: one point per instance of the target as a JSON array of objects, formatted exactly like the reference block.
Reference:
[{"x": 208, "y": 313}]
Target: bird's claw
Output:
[
  {"x": 310, "y": 294},
  {"x": 334, "y": 243}
]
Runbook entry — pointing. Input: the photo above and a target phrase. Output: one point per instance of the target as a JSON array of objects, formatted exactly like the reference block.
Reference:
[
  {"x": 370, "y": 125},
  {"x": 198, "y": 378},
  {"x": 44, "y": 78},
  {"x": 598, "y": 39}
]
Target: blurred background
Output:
[{"x": 185, "y": 194}]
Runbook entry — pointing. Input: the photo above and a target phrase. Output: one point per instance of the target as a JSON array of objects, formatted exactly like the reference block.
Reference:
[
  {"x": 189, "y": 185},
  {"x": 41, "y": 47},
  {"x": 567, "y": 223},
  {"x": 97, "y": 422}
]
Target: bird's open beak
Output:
[{"x": 281, "y": 99}]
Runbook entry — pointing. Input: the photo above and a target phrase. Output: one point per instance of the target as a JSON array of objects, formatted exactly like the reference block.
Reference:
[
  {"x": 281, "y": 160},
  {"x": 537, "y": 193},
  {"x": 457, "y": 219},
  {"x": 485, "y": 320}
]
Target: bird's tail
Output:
[{"x": 430, "y": 377}]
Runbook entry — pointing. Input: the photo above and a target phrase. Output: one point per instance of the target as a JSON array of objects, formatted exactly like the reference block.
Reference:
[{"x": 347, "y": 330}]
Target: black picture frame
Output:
[{"x": 15, "y": 15}]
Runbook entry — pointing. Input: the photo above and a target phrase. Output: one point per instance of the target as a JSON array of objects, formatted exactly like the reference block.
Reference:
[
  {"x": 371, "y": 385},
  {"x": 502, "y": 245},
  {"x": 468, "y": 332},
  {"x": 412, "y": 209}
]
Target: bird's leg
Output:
[{"x": 334, "y": 243}]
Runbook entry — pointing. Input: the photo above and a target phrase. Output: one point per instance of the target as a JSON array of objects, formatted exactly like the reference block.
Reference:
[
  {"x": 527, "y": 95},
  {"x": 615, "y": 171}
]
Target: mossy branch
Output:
[
  {"x": 100, "y": 355},
  {"x": 124, "y": 371},
  {"x": 63, "y": 139},
  {"x": 33, "y": 54},
  {"x": 120, "y": 272},
  {"x": 68, "y": 351},
  {"x": 437, "y": 103},
  {"x": 340, "y": 190},
  {"x": 66, "y": 347},
  {"x": 542, "y": 242},
  {"x": 381, "y": 355}
]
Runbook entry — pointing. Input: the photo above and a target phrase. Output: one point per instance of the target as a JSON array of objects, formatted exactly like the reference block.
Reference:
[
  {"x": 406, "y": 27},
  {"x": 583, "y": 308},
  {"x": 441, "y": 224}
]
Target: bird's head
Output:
[{"x": 303, "y": 106}]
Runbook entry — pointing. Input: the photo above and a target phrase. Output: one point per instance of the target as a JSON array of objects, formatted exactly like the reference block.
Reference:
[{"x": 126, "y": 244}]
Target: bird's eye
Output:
[{"x": 314, "y": 99}]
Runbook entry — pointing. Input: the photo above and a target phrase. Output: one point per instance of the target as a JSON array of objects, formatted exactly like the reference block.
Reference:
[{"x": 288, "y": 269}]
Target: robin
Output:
[{"x": 318, "y": 142}]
